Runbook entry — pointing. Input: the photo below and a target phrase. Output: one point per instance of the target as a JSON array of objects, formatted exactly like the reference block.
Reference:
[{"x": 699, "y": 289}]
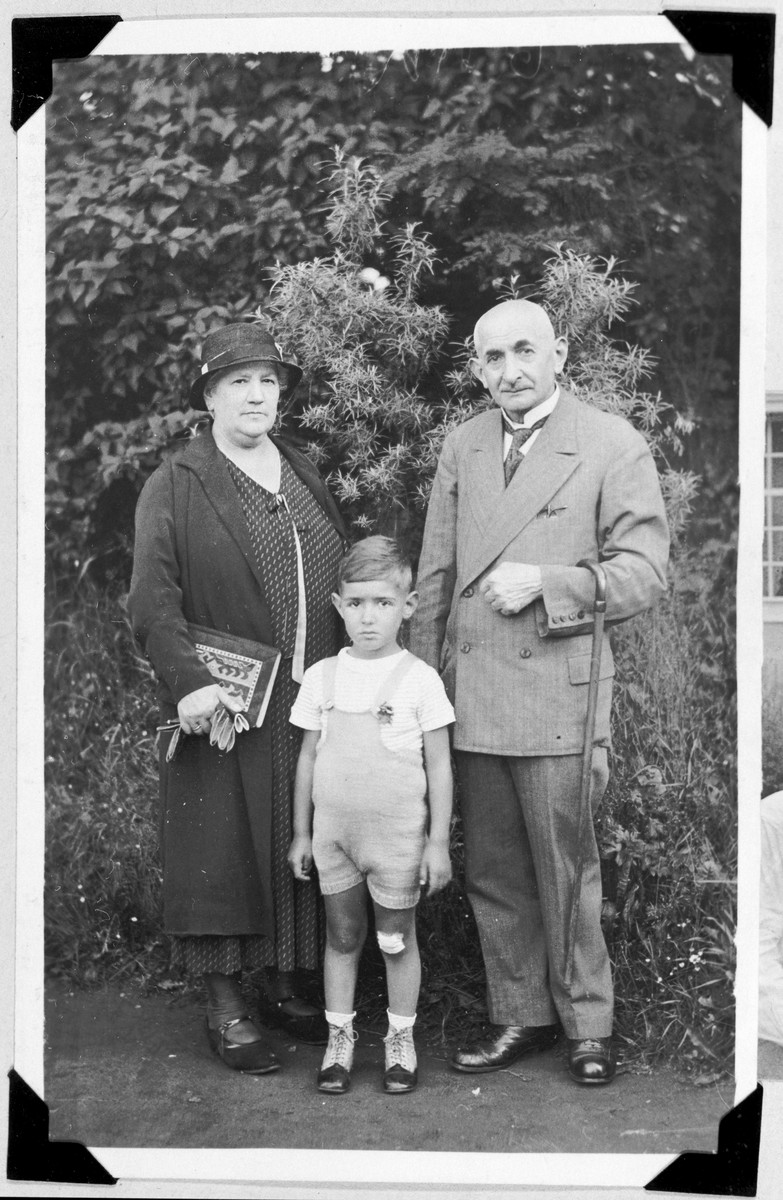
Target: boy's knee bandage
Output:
[{"x": 391, "y": 943}]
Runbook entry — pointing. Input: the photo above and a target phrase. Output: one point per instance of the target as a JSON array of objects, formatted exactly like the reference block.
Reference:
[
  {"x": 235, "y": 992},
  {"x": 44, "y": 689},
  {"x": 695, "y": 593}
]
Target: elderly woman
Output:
[{"x": 237, "y": 534}]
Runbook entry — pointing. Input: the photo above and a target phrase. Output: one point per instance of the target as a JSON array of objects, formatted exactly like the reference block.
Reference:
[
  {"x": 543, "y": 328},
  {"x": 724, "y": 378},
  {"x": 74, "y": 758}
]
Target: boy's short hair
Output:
[{"x": 375, "y": 558}]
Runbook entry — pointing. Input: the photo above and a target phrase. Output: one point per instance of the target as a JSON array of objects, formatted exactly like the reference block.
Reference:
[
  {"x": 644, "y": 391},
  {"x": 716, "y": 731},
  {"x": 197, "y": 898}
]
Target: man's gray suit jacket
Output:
[{"x": 587, "y": 489}]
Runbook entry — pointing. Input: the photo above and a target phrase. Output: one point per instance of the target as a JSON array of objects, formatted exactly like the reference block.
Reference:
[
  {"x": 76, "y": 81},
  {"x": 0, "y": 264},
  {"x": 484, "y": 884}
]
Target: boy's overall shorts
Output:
[{"x": 370, "y": 812}]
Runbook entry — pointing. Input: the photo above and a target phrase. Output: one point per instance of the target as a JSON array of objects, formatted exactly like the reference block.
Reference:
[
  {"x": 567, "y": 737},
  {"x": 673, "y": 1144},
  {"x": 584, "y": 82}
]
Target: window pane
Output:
[
  {"x": 776, "y": 428},
  {"x": 776, "y": 507},
  {"x": 777, "y": 472},
  {"x": 777, "y": 547}
]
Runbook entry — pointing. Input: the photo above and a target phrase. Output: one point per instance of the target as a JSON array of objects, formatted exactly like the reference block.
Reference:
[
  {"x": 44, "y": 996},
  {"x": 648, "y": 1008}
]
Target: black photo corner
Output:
[
  {"x": 733, "y": 1170},
  {"x": 749, "y": 38},
  {"x": 32, "y": 1156},
  {"x": 36, "y": 43}
]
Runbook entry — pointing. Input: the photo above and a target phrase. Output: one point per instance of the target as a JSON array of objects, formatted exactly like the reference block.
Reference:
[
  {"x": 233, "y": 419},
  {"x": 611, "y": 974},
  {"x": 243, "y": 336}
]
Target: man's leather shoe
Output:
[
  {"x": 505, "y": 1045},
  {"x": 591, "y": 1060}
]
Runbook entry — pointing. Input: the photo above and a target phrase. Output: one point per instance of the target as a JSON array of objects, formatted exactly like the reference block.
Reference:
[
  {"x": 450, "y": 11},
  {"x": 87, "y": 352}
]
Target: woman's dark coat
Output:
[{"x": 194, "y": 562}]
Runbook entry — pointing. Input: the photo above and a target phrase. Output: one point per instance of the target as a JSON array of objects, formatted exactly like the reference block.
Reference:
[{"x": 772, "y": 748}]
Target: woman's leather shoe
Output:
[
  {"x": 253, "y": 1058},
  {"x": 310, "y": 1028},
  {"x": 506, "y": 1044},
  {"x": 591, "y": 1060}
]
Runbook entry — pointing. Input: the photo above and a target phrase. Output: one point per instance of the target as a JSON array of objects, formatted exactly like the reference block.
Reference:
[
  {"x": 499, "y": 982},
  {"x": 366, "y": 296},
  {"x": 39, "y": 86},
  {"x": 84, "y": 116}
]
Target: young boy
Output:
[{"x": 375, "y": 745}]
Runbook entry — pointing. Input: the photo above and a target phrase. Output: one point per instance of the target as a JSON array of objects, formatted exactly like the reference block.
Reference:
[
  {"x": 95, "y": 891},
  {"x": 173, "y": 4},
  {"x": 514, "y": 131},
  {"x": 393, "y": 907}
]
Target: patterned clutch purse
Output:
[{"x": 244, "y": 668}]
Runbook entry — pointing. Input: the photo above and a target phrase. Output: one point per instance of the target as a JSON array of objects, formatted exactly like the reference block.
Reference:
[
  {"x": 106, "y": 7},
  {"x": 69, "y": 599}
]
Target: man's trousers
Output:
[{"x": 520, "y": 820}]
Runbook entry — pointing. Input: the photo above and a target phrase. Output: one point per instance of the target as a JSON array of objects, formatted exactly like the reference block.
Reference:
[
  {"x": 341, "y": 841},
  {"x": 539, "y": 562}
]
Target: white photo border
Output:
[{"x": 228, "y": 34}]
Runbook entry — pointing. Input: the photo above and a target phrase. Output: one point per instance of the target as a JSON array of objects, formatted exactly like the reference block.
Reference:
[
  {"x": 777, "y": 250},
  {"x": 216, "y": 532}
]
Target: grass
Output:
[
  {"x": 667, "y": 830},
  {"x": 102, "y": 889}
]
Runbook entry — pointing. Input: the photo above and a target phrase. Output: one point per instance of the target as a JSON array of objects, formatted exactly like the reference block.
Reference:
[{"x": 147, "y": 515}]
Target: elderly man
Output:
[{"x": 522, "y": 494}]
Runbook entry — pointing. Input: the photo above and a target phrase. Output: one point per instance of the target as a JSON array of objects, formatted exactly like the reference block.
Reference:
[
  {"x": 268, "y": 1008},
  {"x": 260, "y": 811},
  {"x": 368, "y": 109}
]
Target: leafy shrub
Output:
[
  {"x": 175, "y": 185},
  {"x": 367, "y": 349}
]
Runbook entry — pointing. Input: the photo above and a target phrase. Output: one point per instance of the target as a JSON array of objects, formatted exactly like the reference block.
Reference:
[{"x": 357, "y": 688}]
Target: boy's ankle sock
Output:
[
  {"x": 398, "y": 1022},
  {"x": 339, "y": 1019}
]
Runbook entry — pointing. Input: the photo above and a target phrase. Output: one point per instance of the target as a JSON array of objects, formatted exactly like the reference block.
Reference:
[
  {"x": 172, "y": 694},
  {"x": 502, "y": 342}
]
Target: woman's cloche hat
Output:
[{"x": 240, "y": 343}]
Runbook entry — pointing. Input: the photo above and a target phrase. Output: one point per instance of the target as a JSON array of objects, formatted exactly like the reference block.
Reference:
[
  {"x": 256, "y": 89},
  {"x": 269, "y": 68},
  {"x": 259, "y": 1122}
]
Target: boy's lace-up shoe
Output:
[
  {"x": 335, "y": 1073},
  {"x": 401, "y": 1073}
]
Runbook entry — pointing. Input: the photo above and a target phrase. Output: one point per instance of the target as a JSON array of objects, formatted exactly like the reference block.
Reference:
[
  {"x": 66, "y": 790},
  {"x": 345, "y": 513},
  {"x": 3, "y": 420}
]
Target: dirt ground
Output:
[{"x": 128, "y": 1070}]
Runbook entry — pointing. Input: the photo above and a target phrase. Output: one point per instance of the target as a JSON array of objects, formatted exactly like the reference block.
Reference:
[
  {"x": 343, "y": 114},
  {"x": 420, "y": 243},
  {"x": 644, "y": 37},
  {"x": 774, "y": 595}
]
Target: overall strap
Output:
[
  {"x": 328, "y": 678},
  {"x": 393, "y": 680}
]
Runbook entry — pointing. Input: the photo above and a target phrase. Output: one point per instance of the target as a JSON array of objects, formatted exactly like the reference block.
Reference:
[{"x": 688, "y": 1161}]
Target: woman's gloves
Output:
[
  {"x": 210, "y": 710},
  {"x": 197, "y": 710}
]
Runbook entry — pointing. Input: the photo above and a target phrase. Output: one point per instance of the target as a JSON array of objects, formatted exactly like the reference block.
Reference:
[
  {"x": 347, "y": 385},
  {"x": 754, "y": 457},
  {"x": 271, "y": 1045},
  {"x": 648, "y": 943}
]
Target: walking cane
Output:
[{"x": 587, "y": 755}]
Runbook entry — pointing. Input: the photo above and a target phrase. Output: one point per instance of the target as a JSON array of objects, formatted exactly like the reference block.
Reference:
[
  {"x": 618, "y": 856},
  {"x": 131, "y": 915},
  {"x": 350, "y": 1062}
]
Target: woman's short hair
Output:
[{"x": 375, "y": 558}]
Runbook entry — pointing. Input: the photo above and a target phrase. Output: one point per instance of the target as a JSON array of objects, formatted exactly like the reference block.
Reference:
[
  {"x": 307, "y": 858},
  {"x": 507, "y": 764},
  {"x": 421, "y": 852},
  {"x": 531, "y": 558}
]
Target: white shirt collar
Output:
[{"x": 535, "y": 414}]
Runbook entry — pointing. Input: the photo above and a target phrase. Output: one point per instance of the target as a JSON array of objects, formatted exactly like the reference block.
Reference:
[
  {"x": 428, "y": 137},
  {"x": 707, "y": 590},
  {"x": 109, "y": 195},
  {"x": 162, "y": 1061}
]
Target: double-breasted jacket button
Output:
[
  {"x": 465, "y": 647},
  {"x": 572, "y": 616},
  {"x": 525, "y": 653},
  {"x": 468, "y": 592},
  {"x": 581, "y": 614}
]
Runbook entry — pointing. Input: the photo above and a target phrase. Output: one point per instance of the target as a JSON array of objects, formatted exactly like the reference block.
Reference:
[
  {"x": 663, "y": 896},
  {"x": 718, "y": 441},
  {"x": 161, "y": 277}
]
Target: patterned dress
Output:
[{"x": 298, "y": 920}]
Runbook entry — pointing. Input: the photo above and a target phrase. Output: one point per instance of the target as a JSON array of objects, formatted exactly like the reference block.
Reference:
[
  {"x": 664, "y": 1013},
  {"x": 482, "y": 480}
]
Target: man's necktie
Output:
[{"x": 518, "y": 439}]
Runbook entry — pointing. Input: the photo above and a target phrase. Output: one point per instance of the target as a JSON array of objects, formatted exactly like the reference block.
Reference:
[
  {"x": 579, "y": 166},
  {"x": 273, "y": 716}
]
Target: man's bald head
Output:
[
  {"x": 518, "y": 356},
  {"x": 525, "y": 312}
]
